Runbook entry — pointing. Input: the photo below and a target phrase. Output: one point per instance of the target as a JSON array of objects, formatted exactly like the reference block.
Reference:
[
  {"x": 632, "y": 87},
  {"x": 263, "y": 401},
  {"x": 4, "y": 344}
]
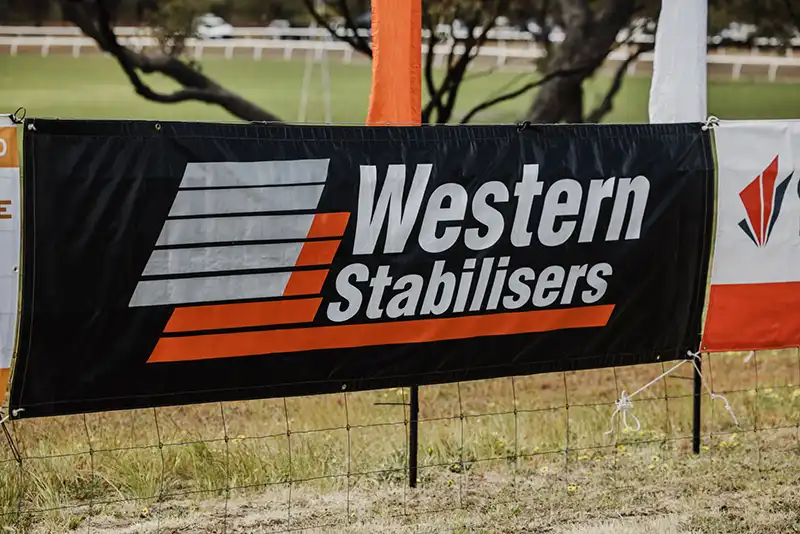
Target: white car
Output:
[{"x": 210, "y": 26}]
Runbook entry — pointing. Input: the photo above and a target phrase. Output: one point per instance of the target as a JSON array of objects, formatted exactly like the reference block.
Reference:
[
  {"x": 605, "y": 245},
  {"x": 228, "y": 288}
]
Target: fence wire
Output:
[{"x": 494, "y": 455}]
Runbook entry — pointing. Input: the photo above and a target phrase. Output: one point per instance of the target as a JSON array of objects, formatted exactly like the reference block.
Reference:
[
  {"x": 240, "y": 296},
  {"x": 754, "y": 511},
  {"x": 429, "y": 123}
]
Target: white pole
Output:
[{"x": 678, "y": 87}]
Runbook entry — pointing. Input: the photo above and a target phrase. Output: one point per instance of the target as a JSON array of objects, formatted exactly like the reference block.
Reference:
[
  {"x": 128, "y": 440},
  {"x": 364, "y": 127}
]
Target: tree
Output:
[
  {"x": 590, "y": 28},
  {"x": 94, "y": 18},
  {"x": 591, "y": 33}
]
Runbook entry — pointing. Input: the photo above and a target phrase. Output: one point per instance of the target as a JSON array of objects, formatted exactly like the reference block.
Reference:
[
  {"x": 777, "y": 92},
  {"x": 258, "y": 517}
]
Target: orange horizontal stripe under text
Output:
[
  {"x": 213, "y": 346},
  {"x": 242, "y": 315}
]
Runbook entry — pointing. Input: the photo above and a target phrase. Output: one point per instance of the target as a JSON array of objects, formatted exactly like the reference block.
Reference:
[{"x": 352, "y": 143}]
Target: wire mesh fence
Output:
[{"x": 492, "y": 455}]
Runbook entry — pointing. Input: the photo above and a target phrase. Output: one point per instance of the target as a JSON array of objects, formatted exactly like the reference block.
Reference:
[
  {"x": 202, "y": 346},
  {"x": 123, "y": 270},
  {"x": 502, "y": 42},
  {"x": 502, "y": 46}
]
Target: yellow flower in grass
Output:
[{"x": 572, "y": 488}]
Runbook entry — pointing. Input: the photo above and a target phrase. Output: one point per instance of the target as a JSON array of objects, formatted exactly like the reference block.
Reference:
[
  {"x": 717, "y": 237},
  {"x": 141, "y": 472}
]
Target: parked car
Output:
[{"x": 210, "y": 26}]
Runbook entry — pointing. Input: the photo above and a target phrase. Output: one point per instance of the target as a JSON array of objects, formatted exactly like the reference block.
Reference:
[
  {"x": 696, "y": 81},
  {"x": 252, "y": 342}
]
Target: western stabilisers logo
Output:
[
  {"x": 189, "y": 268},
  {"x": 762, "y": 199}
]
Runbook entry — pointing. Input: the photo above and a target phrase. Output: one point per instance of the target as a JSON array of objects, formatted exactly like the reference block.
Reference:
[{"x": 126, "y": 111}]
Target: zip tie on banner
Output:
[
  {"x": 18, "y": 117},
  {"x": 8, "y": 416},
  {"x": 624, "y": 403},
  {"x": 749, "y": 356},
  {"x": 711, "y": 121}
]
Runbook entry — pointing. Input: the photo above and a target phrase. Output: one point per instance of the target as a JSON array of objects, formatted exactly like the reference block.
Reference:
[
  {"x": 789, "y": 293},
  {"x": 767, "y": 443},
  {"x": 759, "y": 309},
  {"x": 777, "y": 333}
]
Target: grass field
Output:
[
  {"x": 547, "y": 466},
  {"x": 95, "y": 87},
  {"x": 507, "y": 455}
]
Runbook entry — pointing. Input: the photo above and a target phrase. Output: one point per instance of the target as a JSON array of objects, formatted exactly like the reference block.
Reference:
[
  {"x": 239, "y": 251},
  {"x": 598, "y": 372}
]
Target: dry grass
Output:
[{"x": 504, "y": 455}]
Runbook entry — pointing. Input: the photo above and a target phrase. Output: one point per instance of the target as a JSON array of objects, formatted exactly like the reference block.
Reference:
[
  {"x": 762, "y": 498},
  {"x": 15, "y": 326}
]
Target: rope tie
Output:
[
  {"x": 624, "y": 404},
  {"x": 710, "y": 122},
  {"x": 714, "y": 396}
]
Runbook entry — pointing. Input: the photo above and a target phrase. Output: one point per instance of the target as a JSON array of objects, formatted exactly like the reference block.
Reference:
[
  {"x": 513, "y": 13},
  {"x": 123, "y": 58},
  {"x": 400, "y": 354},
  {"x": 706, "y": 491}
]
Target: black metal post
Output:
[
  {"x": 413, "y": 437},
  {"x": 696, "y": 408}
]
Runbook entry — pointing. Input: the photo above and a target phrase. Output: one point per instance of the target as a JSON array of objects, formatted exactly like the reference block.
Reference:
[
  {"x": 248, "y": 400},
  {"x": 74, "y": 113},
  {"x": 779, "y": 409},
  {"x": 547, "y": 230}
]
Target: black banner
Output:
[{"x": 173, "y": 263}]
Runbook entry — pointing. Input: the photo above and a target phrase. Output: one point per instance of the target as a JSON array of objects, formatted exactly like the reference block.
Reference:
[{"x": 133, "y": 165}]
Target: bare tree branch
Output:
[
  {"x": 480, "y": 74},
  {"x": 344, "y": 11},
  {"x": 430, "y": 82},
  {"x": 483, "y": 106},
  {"x": 358, "y": 43},
  {"x": 96, "y": 24},
  {"x": 607, "y": 104},
  {"x": 444, "y": 99}
]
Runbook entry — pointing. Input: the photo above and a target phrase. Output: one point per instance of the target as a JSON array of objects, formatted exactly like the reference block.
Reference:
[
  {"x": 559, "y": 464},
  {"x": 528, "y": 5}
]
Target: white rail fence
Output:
[
  {"x": 315, "y": 32},
  {"x": 500, "y": 52}
]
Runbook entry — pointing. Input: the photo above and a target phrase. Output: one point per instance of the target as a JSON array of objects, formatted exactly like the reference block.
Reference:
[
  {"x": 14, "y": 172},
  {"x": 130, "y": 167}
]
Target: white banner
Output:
[
  {"x": 10, "y": 219},
  {"x": 678, "y": 86},
  {"x": 755, "y": 276}
]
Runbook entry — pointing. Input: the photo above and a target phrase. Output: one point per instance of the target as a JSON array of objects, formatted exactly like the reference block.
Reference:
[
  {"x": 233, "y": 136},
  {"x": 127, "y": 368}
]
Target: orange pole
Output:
[
  {"x": 396, "y": 98},
  {"x": 396, "y": 95}
]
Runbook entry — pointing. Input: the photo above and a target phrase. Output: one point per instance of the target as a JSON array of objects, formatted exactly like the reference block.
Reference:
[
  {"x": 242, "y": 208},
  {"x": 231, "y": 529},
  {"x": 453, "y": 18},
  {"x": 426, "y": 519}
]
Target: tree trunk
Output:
[
  {"x": 557, "y": 100},
  {"x": 588, "y": 39}
]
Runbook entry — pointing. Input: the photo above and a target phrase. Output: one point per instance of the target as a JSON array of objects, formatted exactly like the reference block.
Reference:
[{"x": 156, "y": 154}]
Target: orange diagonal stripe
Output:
[
  {"x": 317, "y": 253},
  {"x": 305, "y": 283},
  {"x": 364, "y": 335},
  {"x": 328, "y": 225},
  {"x": 222, "y": 316}
]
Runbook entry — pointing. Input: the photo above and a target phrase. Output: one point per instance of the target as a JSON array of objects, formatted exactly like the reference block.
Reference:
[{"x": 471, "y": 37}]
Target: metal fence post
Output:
[
  {"x": 696, "y": 423},
  {"x": 413, "y": 437}
]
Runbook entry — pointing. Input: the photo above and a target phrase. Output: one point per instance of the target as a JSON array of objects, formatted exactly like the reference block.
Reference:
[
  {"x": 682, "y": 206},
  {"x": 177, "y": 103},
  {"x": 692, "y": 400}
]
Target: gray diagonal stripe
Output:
[
  {"x": 215, "y": 259},
  {"x": 209, "y": 289},
  {"x": 261, "y": 199},
  {"x": 248, "y": 228},
  {"x": 236, "y": 173}
]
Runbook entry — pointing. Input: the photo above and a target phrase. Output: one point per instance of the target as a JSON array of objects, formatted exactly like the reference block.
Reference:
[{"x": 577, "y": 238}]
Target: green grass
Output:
[{"x": 95, "y": 87}]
